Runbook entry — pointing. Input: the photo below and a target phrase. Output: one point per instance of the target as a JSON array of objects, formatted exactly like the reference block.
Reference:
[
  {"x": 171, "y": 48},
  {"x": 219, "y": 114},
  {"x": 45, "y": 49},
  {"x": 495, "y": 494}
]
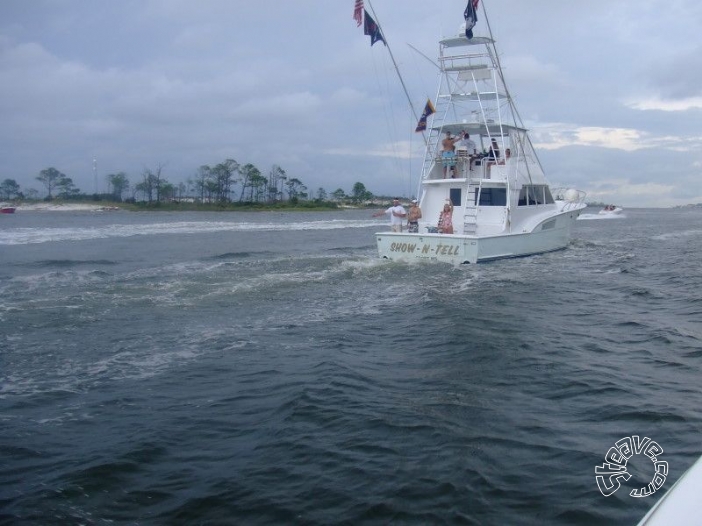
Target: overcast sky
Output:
[{"x": 611, "y": 90}]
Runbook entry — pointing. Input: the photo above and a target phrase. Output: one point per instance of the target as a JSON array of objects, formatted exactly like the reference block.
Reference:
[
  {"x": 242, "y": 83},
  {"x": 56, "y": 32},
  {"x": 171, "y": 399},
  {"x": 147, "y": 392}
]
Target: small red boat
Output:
[{"x": 7, "y": 210}]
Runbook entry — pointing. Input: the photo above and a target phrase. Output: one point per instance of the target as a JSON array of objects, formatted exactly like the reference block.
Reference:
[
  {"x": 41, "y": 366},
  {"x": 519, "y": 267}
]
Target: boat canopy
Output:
[
  {"x": 492, "y": 129},
  {"x": 463, "y": 41}
]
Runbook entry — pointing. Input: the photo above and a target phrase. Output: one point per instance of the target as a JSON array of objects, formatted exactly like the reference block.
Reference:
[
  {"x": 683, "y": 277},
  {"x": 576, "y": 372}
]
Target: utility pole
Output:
[{"x": 95, "y": 174}]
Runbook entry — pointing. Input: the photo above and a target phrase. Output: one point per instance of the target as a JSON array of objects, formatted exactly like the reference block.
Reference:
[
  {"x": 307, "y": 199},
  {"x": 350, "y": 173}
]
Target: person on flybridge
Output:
[
  {"x": 467, "y": 149},
  {"x": 448, "y": 154}
]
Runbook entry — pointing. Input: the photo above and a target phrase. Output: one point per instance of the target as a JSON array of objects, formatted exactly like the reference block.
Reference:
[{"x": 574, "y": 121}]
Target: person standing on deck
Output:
[
  {"x": 413, "y": 217},
  {"x": 397, "y": 215},
  {"x": 446, "y": 219},
  {"x": 470, "y": 147},
  {"x": 467, "y": 143},
  {"x": 493, "y": 156},
  {"x": 494, "y": 153},
  {"x": 448, "y": 153}
]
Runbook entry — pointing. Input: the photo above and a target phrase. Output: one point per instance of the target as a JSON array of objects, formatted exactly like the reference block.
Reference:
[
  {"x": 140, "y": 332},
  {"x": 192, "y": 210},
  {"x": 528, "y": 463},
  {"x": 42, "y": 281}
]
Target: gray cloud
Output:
[{"x": 139, "y": 82}]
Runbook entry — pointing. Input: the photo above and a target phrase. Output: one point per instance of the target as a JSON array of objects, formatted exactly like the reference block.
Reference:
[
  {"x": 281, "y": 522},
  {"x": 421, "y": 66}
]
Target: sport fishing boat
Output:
[{"x": 502, "y": 204}]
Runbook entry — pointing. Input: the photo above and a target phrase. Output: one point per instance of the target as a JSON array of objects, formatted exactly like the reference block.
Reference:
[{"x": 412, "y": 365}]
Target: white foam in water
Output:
[
  {"x": 678, "y": 235},
  {"x": 590, "y": 217},
  {"x": 25, "y": 236},
  {"x": 75, "y": 376}
]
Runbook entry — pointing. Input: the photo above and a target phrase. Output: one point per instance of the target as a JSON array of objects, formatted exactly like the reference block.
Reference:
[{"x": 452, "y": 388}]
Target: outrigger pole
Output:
[
  {"x": 426, "y": 57},
  {"x": 397, "y": 69}
]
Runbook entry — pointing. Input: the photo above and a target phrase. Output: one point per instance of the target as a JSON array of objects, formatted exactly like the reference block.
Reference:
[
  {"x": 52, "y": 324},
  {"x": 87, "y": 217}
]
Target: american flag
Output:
[{"x": 358, "y": 12}]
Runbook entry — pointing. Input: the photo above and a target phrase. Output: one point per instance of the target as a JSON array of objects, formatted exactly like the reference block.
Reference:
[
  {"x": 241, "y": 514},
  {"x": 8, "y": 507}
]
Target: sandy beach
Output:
[{"x": 59, "y": 207}]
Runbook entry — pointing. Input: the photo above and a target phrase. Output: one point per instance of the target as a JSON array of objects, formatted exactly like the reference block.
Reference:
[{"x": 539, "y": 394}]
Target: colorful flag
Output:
[
  {"x": 372, "y": 29},
  {"x": 428, "y": 110},
  {"x": 358, "y": 12},
  {"x": 471, "y": 17}
]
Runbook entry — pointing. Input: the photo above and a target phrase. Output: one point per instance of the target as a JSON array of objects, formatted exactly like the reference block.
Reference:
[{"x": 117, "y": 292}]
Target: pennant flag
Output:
[
  {"x": 358, "y": 12},
  {"x": 428, "y": 110},
  {"x": 471, "y": 17},
  {"x": 372, "y": 29}
]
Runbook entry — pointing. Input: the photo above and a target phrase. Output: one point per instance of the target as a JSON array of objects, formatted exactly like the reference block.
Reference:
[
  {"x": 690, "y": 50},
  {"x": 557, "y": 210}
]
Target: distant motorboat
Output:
[
  {"x": 611, "y": 210},
  {"x": 7, "y": 210}
]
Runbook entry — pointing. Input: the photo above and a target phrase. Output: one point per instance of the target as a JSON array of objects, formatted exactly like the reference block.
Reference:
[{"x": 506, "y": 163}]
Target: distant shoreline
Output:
[
  {"x": 98, "y": 206},
  {"x": 302, "y": 206}
]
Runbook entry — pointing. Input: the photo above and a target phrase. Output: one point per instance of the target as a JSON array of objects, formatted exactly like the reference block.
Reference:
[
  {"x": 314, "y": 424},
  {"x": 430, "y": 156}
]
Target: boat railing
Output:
[
  {"x": 474, "y": 168},
  {"x": 464, "y": 62},
  {"x": 571, "y": 197},
  {"x": 466, "y": 167}
]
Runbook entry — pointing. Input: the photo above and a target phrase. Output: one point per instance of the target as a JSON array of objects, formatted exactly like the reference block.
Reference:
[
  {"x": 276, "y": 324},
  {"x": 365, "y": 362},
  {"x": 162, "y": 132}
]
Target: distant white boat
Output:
[
  {"x": 611, "y": 210},
  {"x": 500, "y": 200}
]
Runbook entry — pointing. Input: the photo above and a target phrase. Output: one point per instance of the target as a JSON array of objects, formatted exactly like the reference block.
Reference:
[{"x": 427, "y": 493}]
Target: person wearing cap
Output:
[
  {"x": 397, "y": 215},
  {"x": 413, "y": 217}
]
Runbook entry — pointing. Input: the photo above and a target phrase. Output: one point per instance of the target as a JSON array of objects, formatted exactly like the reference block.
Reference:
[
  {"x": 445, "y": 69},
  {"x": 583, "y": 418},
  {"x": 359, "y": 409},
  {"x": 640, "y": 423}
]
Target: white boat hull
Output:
[
  {"x": 681, "y": 504},
  {"x": 457, "y": 249}
]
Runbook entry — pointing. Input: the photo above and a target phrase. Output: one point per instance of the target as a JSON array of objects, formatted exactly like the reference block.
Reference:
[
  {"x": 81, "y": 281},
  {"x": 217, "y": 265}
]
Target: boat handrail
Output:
[
  {"x": 461, "y": 40},
  {"x": 571, "y": 197},
  {"x": 463, "y": 60}
]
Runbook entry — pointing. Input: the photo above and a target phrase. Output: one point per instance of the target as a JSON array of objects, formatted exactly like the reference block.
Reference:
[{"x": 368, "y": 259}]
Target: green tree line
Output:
[{"x": 226, "y": 182}]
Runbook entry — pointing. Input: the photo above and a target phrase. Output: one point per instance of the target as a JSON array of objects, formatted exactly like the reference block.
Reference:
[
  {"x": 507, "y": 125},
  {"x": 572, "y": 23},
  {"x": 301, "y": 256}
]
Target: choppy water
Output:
[{"x": 269, "y": 369}]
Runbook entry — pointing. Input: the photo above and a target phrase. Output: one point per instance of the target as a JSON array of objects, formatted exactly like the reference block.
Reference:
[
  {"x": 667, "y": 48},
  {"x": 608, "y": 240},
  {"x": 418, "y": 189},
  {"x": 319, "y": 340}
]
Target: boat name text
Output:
[{"x": 440, "y": 250}]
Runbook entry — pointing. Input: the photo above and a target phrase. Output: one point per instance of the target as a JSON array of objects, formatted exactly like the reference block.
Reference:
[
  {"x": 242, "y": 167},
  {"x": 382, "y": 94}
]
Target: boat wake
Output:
[
  {"x": 25, "y": 236},
  {"x": 590, "y": 217}
]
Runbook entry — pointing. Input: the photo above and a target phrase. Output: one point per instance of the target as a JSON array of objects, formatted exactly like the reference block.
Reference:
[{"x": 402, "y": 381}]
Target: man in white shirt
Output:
[
  {"x": 397, "y": 215},
  {"x": 467, "y": 145}
]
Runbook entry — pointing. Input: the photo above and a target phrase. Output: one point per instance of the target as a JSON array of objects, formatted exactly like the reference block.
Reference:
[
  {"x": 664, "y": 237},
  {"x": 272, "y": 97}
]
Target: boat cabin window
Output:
[
  {"x": 455, "y": 196},
  {"x": 534, "y": 194},
  {"x": 491, "y": 197},
  {"x": 549, "y": 197}
]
